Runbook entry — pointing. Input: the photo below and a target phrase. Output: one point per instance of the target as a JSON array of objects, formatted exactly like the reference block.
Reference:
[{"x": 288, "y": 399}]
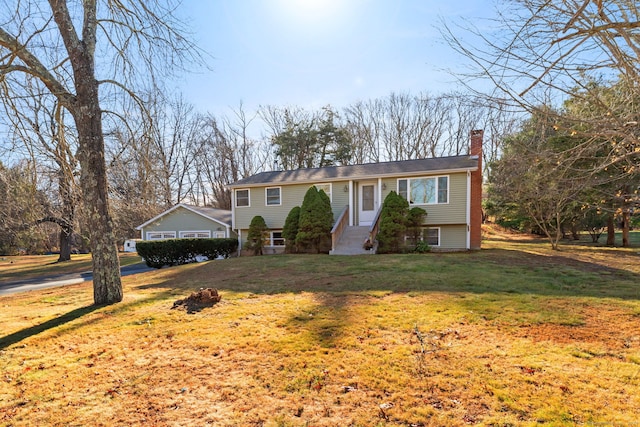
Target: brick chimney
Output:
[{"x": 475, "y": 221}]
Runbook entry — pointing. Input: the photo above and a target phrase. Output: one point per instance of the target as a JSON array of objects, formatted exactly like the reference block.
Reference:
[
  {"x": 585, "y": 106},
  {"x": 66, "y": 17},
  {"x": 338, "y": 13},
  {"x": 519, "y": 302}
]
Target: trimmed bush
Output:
[
  {"x": 255, "y": 237},
  {"x": 316, "y": 221},
  {"x": 159, "y": 253},
  {"x": 393, "y": 223},
  {"x": 290, "y": 230}
]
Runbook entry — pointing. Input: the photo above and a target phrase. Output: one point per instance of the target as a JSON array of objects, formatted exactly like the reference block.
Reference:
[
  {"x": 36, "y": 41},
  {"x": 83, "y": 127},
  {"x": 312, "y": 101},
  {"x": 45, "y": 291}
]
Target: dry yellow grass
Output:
[{"x": 512, "y": 335}]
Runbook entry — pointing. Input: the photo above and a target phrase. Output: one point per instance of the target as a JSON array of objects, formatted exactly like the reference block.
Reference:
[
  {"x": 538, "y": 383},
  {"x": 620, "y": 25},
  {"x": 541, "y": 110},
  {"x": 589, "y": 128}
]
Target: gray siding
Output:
[{"x": 182, "y": 219}]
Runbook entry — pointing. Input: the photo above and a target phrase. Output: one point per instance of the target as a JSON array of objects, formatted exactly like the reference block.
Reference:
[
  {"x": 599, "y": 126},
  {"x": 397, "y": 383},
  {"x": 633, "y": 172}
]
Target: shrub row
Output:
[{"x": 183, "y": 251}]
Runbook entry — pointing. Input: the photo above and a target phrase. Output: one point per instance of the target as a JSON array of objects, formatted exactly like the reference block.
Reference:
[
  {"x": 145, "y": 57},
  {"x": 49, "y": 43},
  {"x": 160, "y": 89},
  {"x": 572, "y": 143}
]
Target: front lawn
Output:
[{"x": 515, "y": 334}]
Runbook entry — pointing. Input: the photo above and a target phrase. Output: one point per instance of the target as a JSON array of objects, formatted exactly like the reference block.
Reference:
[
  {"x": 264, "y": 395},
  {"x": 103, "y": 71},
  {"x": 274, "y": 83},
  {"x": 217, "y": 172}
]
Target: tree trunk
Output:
[
  {"x": 625, "y": 227},
  {"x": 65, "y": 244},
  {"x": 107, "y": 285},
  {"x": 611, "y": 231}
]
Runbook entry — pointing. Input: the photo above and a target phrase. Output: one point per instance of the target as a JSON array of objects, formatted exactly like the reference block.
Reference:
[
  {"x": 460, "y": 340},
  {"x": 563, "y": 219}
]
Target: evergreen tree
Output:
[
  {"x": 255, "y": 238},
  {"x": 316, "y": 221},
  {"x": 393, "y": 223},
  {"x": 290, "y": 230}
]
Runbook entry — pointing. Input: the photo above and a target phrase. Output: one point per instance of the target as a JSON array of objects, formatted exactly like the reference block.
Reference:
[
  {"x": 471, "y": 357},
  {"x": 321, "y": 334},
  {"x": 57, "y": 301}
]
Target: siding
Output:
[
  {"x": 454, "y": 212},
  {"x": 453, "y": 237},
  {"x": 291, "y": 196},
  {"x": 182, "y": 219}
]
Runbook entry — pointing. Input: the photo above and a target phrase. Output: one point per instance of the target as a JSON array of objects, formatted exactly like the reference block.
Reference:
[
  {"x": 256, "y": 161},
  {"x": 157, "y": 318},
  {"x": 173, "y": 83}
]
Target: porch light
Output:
[{"x": 346, "y": 189}]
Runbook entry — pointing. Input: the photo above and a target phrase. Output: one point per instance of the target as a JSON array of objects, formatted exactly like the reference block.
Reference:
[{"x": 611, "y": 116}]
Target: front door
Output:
[{"x": 367, "y": 203}]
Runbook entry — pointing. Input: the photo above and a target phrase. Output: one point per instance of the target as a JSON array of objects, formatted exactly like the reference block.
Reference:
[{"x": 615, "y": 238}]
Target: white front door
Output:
[{"x": 367, "y": 203}]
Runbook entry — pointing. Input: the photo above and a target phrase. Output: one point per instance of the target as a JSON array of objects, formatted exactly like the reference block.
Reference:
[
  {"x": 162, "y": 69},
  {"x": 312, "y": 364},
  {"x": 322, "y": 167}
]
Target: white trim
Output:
[
  {"x": 468, "y": 213},
  {"x": 351, "y": 204},
  {"x": 183, "y": 232},
  {"x": 439, "y": 236},
  {"x": 235, "y": 197},
  {"x": 367, "y": 221},
  {"x": 162, "y": 233},
  {"x": 266, "y": 196},
  {"x": 271, "y": 239},
  {"x": 437, "y": 188},
  {"x": 180, "y": 205},
  {"x": 359, "y": 178}
]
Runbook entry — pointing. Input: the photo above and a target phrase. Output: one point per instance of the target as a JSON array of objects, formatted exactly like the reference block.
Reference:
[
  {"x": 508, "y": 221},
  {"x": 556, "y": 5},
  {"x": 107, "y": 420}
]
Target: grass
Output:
[
  {"x": 26, "y": 267},
  {"x": 515, "y": 334}
]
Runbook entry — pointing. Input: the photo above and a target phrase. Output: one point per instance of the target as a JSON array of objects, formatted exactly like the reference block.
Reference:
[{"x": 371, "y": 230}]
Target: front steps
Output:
[{"x": 352, "y": 241}]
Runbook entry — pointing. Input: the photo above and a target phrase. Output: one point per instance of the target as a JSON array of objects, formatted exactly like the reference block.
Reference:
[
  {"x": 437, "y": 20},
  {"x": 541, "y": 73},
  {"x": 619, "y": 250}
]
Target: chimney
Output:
[{"x": 475, "y": 220}]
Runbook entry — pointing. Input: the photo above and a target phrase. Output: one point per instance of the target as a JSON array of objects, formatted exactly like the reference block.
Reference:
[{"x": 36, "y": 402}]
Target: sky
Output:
[{"x": 312, "y": 53}]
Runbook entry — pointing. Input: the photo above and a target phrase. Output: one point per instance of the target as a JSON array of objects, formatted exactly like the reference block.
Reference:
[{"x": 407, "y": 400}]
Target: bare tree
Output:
[
  {"x": 230, "y": 155},
  {"x": 57, "y": 43},
  {"x": 546, "y": 52}
]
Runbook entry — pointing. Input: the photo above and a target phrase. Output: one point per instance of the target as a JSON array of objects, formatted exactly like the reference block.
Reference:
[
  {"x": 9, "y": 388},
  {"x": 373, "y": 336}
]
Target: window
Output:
[
  {"x": 274, "y": 238},
  {"x": 272, "y": 196},
  {"x": 431, "y": 236},
  {"x": 326, "y": 188},
  {"x": 425, "y": 191},
  {"x": 195, "y": 234},
  {"x": 159, "y": 235},
  {"x": 242, "y": 198}
]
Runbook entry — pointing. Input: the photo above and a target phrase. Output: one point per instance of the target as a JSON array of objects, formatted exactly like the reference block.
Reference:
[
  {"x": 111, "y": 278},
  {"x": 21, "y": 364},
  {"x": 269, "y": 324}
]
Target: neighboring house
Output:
[
  {"x": 448, "y": 188},
  {"x": 186, "y": 221}
]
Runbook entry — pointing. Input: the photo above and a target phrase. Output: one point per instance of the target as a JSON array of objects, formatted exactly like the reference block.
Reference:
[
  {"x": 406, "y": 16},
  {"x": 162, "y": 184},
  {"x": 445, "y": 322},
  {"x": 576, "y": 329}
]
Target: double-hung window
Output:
[
  {"x": 274, "y": 238},
  {"x": 272, "y": 196},
  {"x": 326, "y": 188},
  {"x": 242, "y": 198},
  {"x": 425, "y": 191}
]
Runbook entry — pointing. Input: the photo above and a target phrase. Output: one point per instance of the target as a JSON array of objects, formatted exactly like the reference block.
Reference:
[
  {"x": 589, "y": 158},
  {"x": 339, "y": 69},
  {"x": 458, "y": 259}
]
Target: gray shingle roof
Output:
[
  {"x": 221, "y": 215},
  {"x": 369, "y": 170}
]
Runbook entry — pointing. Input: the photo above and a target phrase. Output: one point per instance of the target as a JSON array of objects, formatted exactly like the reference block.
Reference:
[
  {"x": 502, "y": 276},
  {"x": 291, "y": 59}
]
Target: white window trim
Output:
[
  {"x": 171, "y": 235},
  {"x": 235, "y": 198},
  {"x": 207, "y": 232},
  {"x": 435, "y": 177},
  {"x": 271, "y": 239},
  {"x": 330, "y": 189},
  {"x": 266, "y": 198},
  {"x": 439, "y": 236}
]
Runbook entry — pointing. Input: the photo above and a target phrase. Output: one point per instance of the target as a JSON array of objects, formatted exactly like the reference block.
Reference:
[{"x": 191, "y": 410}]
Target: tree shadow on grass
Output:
[
  {"x": 18, "y": 336},
  {"x": 67, "y": 318}
]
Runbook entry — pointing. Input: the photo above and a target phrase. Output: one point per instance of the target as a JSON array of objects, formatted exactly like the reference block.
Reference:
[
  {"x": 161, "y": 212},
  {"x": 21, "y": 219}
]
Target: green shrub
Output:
[
  {"x": 316, "y": 221},
  {"x": 159, "y": 253},
  {"x": 422, "y": 247},
  {"x": 255, "y": 238},
  {"x": 393, "y": 223},
  {"x": 290, "y": 230}
]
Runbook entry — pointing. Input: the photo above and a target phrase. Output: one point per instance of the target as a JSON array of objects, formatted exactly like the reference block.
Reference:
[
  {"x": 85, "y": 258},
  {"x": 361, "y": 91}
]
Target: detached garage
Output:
[{"x": 188, "y": 222}]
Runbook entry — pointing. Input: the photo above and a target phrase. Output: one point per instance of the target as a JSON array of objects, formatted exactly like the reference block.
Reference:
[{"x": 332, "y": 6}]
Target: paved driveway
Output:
[{"x": 14, "y": 287}]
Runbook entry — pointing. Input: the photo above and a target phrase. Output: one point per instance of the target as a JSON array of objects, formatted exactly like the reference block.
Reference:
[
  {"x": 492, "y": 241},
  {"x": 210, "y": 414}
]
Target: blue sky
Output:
[{"x": 311, "y": 53}]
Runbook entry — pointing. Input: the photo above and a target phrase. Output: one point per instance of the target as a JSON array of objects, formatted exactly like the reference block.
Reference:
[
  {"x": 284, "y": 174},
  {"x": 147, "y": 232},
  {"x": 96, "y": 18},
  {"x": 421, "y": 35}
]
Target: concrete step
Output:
[{"x": 352, "y": 241}]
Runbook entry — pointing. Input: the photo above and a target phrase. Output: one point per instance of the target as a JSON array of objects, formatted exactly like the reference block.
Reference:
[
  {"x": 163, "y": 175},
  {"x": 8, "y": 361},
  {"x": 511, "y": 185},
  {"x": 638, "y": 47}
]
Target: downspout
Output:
[
  {"x": 468, "y": 214},
  {"x": 351, "y": 204},
  {"x": 379, "y": 195}
]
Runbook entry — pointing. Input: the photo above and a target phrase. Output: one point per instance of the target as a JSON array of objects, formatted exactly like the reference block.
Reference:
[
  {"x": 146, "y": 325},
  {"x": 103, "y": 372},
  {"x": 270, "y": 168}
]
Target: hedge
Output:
[{"x": 159, "y": 253}]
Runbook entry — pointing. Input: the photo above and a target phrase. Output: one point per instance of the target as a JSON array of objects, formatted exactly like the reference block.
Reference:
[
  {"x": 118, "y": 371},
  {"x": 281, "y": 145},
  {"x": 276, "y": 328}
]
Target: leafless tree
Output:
[
  {"x": 542, "y": 53},
  {"x": 57, "y": 43},
  {"x": 230, "y": 154}
]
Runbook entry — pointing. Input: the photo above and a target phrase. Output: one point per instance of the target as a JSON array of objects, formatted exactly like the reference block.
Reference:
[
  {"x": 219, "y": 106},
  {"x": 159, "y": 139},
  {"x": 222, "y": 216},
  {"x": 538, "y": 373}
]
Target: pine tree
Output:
[{"x": 316, "y": 221}]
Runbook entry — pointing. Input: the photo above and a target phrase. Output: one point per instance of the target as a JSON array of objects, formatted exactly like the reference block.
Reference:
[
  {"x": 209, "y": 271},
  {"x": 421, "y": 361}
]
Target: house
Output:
[
  {"x": 187, "y": 221},
  {"x": 448, "y": 188}
]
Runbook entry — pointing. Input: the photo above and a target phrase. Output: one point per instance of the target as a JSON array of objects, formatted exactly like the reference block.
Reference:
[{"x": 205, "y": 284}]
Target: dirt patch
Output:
[
  {"x": 198, "y": 300},
  {"x": 598, "y": 329}
]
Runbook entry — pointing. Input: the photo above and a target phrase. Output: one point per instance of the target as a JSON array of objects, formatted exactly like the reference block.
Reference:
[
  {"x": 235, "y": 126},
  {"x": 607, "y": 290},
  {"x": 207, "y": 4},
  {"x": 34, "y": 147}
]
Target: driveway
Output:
[{"x": 14, "y": 287}]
